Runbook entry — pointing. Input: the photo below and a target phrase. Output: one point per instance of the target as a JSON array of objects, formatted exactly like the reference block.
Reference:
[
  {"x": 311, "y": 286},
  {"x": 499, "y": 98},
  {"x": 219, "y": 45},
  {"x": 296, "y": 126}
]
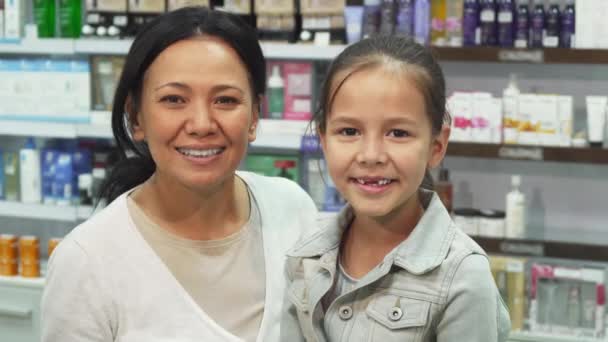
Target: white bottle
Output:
[
  {"x": 276, "y": 101},
  {"x": 515, "y": 221},
  {"x": 29, "y": 159},
  {"x": 510, "y": 105}
]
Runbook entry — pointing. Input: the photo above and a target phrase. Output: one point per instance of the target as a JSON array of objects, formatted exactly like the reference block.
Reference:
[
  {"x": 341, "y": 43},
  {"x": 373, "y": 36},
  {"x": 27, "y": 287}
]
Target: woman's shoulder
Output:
[{"x": 107, "y": 227}]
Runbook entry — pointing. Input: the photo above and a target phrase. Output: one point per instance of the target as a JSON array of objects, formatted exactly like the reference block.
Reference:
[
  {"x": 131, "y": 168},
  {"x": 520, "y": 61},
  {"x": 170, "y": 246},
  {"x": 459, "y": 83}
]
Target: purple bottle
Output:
[
  {"x": 387, "y": 17},
  {"x": 371, "y": 18},
  {"x": 553, "y": 26},
  {"x": 522, "y": 24},
  {"x": 487, "y": 21},
  {"x": 506, "y": 9},
  {"x": 404, "y": 25},
  {"x": 422, "y": 21},
  {"x": 537, "y": 25},
  {"x": 470, "y": 23},
  {"x": 568, "y": 25}
]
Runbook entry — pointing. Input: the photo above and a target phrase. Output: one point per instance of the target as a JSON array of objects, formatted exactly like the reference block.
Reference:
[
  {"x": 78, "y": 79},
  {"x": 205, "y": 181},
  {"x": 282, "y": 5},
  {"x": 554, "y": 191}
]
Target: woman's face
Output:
[{"x": 197, "y": 113}]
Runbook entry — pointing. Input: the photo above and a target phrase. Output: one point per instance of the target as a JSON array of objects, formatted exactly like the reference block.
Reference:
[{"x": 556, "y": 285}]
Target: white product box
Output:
[
  {"x": 481, "y": 121},
  {"x": 528, "y": 119},
  {"x": 460, "y": 106},
  {"x": 591, "y": 25},
  {"x": 565, "y": 108},
  {"x": 548, "y": 119},
  {"x": 14, "y": 18}
]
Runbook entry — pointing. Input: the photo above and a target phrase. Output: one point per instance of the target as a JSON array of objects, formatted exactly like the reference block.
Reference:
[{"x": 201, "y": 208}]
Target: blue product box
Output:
[
  {"x": 82, "y": 162},
  {"x": 62, "y": 188},
  {"x": 48, "y": 160}
]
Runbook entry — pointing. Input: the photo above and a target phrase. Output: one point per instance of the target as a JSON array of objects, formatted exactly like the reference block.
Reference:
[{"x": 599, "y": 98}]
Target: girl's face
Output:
[
  {"x": 197, "y": 113},
  {"x": 379, "y": 142}
]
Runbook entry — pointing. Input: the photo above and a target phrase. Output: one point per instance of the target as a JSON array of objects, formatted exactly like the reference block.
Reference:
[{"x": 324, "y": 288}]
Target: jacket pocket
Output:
[
  {"x": 397, "y": 318},
  {"x": 297, "y": 294}
]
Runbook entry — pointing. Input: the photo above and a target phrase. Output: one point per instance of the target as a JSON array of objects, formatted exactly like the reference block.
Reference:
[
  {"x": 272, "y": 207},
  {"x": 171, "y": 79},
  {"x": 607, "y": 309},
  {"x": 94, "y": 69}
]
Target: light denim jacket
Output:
[{"x": 435, "y": 286}]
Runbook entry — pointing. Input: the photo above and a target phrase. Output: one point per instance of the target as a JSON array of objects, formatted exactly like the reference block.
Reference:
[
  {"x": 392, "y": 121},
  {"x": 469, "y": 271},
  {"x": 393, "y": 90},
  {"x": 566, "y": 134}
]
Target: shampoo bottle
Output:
[
  {"x": 29, "y": 160},
  {"x": 422, "y": 25},
  {"x": 69, "y": 15},
  {"x": 515, "y": 220},
  {"x": 553, "y": 26},
  {"x": 387, "y": 17},
  {"x": 44, "y": 15},
  {"x": 438, "y": 17},
  {"x": 453, "y": 22},
  {"x": 510, "y": 105},
  {"x": 470, "y": 23},
  {"x": 371, "y": 17},
  {"x": 404, "y": 25},
  {"x": 506, "y": 11},
  {"x": 568, "y": 25},
  {"x": 487, "y": 19},
  {"x": 522, "y": 25},
  {"x": 537, "y": 29},
  {"x": 276, "y": 87}
]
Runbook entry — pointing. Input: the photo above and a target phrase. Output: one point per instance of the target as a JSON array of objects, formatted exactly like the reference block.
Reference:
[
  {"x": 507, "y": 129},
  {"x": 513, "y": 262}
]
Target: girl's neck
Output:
[
  {"x": 210, "y": 215},
  {"x": 368, "y": 239}
]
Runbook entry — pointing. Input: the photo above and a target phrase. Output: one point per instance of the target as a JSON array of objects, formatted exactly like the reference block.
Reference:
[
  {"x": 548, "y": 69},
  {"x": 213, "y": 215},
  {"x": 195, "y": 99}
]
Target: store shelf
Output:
[
  {"x": 51, "y": 46},
  {"x": 53, "y": 130},
  {"x": 534, "y": 153},
  {"x": 535, "y": 337},
  {"x": 22, "y": 282},
  {"x": 571, "y": 244},
  {"x": 510, "y": 55},
  {"x": 280, "y": 134},
  {"x": 301, "y": 51},
  {"x": 102, "y": 46},
  {"x": 38, "y": 211}
]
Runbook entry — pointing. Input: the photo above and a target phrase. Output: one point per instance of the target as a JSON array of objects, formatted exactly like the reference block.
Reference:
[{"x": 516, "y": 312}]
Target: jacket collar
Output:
[{"x": 424, "y": 250}]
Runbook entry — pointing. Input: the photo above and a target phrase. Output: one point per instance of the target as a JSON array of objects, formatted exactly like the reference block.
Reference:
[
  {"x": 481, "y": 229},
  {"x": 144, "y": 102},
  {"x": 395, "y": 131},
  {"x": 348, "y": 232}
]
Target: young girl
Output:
[
  {"x": 188, "y": 248},
  {"x": 392, "y": 266}
]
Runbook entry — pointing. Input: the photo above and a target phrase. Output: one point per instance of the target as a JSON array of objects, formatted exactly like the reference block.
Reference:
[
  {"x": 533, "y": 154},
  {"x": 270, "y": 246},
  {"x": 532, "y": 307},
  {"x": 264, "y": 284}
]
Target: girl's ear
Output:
[
  {"x": 255, "y": 119},
  {"x": 135, "y": 120},
  {"x": 439, "y": 146}
]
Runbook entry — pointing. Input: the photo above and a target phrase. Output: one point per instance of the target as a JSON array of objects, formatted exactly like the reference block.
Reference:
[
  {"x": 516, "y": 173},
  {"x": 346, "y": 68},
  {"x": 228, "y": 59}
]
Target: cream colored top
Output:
[{"x": 232, "y": 266}]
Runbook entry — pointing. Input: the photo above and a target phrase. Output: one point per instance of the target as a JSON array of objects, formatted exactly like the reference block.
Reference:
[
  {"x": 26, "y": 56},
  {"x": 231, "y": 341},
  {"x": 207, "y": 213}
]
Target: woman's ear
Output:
[
  {"x": 135, "y": 120},
  {"x": 255, "y": 119},
  {"x": 439, "y": 146}
]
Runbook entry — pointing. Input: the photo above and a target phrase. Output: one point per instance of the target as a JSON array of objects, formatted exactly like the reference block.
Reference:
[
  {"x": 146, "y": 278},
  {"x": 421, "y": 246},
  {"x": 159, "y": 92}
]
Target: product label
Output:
[
  {"x": 238, "y": 6},
  {"x": 112, "y": 6},
  {"x": 175, "y": 4},
  {"x": 147, "y": 6},
  {"x": 488, "y": 16},
  {"x": 522, "y": 248},
  {"x": 505, "y": 17},
  {"x": 437, "y": 24},
  {"x": 521, "y": 56},
  {"x": 322, "y": 6},
  {"x": 453, "y": 25},
  {"x": 275, "y": 7},
  {"x": 523, "y": 153}
]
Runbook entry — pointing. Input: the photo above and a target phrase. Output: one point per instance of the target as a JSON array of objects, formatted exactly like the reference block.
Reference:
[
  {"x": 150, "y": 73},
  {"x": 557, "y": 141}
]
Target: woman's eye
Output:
[
  {"x": 172, "y": 99},
  {"x": 398, "y": 133},
  {"x": 226, "y": 100},
  {"x": 348, "y": 131}
]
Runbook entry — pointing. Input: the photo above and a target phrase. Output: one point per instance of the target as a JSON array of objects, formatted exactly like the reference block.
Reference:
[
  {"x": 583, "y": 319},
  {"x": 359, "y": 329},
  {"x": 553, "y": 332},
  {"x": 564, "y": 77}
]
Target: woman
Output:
[{"x": 188, "y": 249}]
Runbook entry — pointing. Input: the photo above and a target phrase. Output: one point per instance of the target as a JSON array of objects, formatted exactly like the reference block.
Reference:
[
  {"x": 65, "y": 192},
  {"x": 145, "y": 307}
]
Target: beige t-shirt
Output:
[{"x": 225, "y": 277}]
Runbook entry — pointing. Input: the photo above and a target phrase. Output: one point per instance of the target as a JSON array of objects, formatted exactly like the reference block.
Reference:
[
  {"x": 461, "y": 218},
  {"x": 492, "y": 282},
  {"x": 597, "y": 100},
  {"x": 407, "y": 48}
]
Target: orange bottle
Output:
[
  {"x": 29, "y": 252},
  {"x": 8, "y": 255}
]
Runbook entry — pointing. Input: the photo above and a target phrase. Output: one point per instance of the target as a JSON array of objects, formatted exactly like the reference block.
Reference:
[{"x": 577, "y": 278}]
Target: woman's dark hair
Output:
[
  {"x": 398, "y": 54},
  {"x": 136, "y": 164}
]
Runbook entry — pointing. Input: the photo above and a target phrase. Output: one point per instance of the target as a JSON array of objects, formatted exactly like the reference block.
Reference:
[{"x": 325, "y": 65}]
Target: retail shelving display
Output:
[{"x": 285, "y": 147}]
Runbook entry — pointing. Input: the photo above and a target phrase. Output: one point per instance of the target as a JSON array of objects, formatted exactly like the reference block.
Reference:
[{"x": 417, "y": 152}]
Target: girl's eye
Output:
[
  {"x": 226, "y": 100},
  {"x": 399, "y": 133},
  {"x": 172, "y": 99},
  {"x": 348, "y": 131}
]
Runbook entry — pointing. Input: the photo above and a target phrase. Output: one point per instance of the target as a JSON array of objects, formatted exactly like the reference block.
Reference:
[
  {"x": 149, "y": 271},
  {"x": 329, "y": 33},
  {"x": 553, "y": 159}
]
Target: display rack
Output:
[
  {"x": 44, "y": 211},
  {"x": 87, "y": 46},
  {"x": 534, "y": 337}
]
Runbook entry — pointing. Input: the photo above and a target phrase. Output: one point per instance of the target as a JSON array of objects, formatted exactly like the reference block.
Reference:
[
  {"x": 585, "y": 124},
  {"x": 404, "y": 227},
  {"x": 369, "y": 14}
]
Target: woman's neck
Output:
[
  {"x": 370, "y": 239},
  {"x": 191, "y": 214}
]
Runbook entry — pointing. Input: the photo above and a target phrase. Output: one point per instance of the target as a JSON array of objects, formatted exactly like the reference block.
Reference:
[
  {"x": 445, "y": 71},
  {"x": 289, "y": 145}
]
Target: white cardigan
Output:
[{"x": 106, "y": 284}]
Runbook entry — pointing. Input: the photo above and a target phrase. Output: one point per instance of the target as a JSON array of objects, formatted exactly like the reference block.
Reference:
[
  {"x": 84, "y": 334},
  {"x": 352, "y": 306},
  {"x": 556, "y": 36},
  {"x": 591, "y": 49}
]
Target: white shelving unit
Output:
[
  {"x": 44, "y": 211},
  {"x": 532, "y": 337},
  {"x": 55, "y": 46},
  {"x": 84, "y": 46},
  {"x": 22, "y": 282}
]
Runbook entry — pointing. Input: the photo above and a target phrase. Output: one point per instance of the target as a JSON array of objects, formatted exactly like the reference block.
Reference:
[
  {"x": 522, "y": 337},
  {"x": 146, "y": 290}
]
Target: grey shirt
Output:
[{"x": 434, "y": 286}]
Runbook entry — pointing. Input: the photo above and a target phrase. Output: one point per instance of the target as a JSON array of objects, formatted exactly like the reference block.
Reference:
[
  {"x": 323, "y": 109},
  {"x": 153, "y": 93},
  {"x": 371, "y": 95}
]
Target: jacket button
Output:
[
  {"x": 395, "y": 314},
  {"x": 345, "y": 313}
]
